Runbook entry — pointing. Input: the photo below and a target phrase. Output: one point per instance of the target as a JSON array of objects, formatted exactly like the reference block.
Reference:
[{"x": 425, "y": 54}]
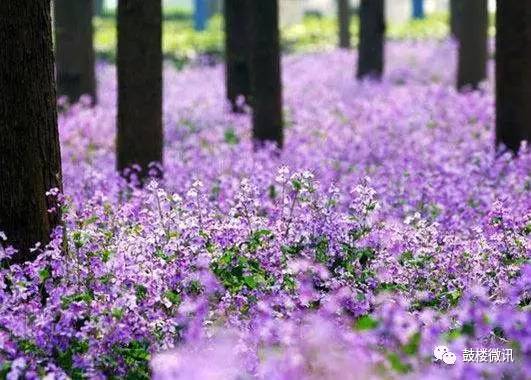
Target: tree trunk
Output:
[
  {"x": 139, "y": 60},
  {"x": 98, "y": 7},
  {"x": 30, "y": 162},
  {"x": 455, "y": 12},
  {"x": 513, "y": 73},
  {"x": 266, "y": 86},
  {"x": 372, "y": 34},
  {"x": 236, "y": 51},
  {"x": 418, "y": 9},
  {"x": 74, "y": 49},
  {"x": 472, "y": 65},
  {"x": 343, "y": 18}
]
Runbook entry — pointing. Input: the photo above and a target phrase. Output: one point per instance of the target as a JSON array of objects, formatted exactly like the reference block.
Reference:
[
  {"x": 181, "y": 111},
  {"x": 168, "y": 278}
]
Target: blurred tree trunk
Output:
[
  {"x": 343, "y": 18},
  {"x": 513, "y": 73},
  {"x": 472, "y": 65},
  {"x": 236, "y": 52},
  {"x": 30, "y": 162},
  {"x": 214, "y": 7},
  {"x": 455, "y": 12},
  {"x": 74, "y": 49},
  {"x": 266, "y": 86},
  {"x": 372, "y": 34},
  {"x": 139, "y": 61},
  {"x": 418, "y": 9},
  {"x": 98, "y": 7}
]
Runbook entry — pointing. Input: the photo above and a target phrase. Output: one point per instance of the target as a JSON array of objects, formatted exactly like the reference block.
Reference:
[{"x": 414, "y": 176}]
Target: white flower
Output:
[{"x": 282, "y": 174}]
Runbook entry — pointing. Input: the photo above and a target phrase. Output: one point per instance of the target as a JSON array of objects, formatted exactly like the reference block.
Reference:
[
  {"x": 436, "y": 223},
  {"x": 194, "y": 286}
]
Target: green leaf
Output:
[
  {"x": 321, "y": 250},
  {"x": 66, "y": 301},
  {"x": 452, "y": 335},
  {"x": 231, "y": 137},
  {"x": 366, "y": 322},
  {"x": 117, "y": 313},
  {"x": 29, "y": 347},
  {"x": 105, "y": 255},
  {"x": 250, "y": 282},
  {"x": 454, "y": 297},
  {"x": 412, "y": 346},
  {"x": 297, "y": 185},
  {"x": 173, "y": 297},
  {"x": 397, "y": 364},
  {"x": 272, "y": 191},
  {"x": 140, "y": 292},
  {"x": 44, "y": 274},
  {"x": 5, "y": 368}
]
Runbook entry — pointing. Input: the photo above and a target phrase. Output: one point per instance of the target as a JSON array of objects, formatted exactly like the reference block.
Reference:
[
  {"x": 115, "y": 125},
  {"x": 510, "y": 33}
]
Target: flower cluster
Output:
[{"x": 387, "y": 226}]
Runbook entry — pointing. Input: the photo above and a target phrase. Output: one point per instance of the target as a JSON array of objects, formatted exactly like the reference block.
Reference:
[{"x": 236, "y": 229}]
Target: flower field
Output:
[{"x": 386, "y": 227}]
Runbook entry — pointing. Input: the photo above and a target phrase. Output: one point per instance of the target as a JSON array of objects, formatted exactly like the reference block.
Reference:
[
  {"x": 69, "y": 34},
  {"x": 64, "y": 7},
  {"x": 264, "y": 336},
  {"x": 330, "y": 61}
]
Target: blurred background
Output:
[{"x": 193, "y": 28}]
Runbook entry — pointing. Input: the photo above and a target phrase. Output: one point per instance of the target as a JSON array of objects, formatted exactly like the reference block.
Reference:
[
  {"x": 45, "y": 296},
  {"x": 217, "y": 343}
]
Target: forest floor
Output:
[{"x": 386, "y": 227}]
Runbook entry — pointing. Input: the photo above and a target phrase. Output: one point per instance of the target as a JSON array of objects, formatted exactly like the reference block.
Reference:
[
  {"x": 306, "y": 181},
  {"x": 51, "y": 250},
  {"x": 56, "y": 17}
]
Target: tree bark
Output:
[
  {"x": 513, "y": 73},
  {"x": 139, "y": 60},
  {"x": 472, "y": 64},
  {"x": 98, "y": 7},
  {"x": 30, "y": 162},
  {"x": 75, "y": 49},
  {"x": 455, "y": 12},
  {"x": 266, "y": 86},
  {"x": 372, "y": 34},
  {"x": 418, "y": 9},
  {"x": 343, "y": 18},
  {"x": 236, "y": 51}
]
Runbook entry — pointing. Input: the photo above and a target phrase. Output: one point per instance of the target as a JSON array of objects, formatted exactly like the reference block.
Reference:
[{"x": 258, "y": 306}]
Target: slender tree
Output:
[
  {"x": 237, "y": 52},
  {"x": 139, "y": 60},
  {"x": 343, "y": 18},
  {"x": 30, "y": 161},
  {"x": 513, "y": 73},
  {"x": 98, "y": 7},
  {"x": 472, "y": 65},
  {"x": 372, "y": 35},
  {"x": 74, "y": 48},
  {"x": 418, "y": 9},
  {"x": 266, "y": 87},
  {"x": 455, "y": 12}
]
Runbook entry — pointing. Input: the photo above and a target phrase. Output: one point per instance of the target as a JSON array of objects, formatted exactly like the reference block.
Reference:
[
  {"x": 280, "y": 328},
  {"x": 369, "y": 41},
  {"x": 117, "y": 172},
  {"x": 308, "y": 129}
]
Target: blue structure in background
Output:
[
  {"x": 418, "y": 9},
  {"x": 201, "y": 13}
]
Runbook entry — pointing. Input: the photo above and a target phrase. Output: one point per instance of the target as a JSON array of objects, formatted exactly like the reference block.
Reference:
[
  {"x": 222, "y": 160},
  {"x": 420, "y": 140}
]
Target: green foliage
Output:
[
  {"x": 397, "y": 364},
  {"x": 237, "y": 271},
  {"x": 365, "y": 322},
  {"x": 117, "y": 313},
  {"x": 140, "y": 292},
  {"x": 135, "y": 355},
  {"x": 440, "y": 301},
  {"x": 44, "y": 274},
  {"x": 29, "y": 347},
  {"x": 173, "y": 297},
  {"x": 231, "y": 137},
  {"x": 65, "y": 359},
  {"x": 181, "y": 42},
  {"x": 66, "y": 301},
  {"x": 5, "y": 368},
  {"x": 390, "y": 287},
  {"x": 353, "y": 255},
  {"x": 80, "y": 238},
  {"x": 466, "y": 330},
  {"x": 412, "y": 346}
]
